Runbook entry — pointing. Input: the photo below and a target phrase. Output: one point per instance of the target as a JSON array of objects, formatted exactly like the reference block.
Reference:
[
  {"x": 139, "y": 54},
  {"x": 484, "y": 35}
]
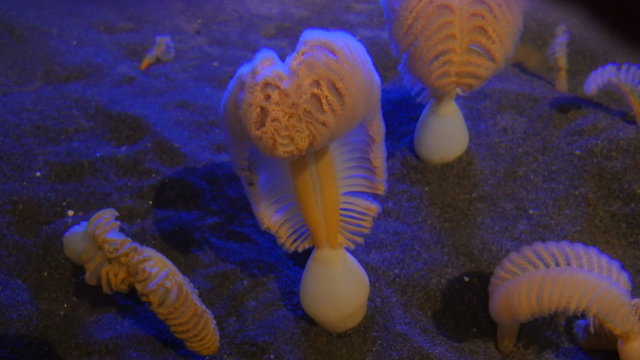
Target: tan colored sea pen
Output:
[
  {"x": 118, "y": 264},
  {"x": 450, "y": 47},
  {"x": 557, "y": 54},
  {"x": 624, "y": 78},
  {"x": 524, "y": 281},
  {"x": 306, "y": 138},
  {"x": 568, "y": 290}
]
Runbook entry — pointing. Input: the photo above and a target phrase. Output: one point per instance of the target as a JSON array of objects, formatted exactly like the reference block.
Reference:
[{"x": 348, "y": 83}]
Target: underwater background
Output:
[{"x": 83, "y": 128}]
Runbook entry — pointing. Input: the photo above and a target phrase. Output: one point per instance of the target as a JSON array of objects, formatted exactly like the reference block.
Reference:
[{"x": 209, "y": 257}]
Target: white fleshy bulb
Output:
[
  {"x": 334, "y": 289},
  {"x": 441, "y": 135},
  {"x": 76, "y": 242}
]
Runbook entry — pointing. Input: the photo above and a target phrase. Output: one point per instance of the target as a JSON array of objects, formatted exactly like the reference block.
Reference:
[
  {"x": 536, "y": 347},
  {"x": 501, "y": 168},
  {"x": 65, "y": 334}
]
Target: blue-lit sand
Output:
[{"x": 82, "y": 128}]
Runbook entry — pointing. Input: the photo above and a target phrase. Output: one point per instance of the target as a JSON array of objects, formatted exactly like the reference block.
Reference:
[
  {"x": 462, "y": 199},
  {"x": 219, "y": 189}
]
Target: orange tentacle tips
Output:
[{"x": 119, "y": 264}]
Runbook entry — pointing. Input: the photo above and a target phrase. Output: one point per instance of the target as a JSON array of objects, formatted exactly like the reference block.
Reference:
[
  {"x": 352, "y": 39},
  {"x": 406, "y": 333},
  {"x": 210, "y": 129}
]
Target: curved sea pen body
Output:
[
  {"x": 163, "y": 50},
  {"x": 550, "y": 254},
  {"x": 123, "y": 264},
  {"x": 567, "y": 290},
  {"x": 624, "y": 78}
]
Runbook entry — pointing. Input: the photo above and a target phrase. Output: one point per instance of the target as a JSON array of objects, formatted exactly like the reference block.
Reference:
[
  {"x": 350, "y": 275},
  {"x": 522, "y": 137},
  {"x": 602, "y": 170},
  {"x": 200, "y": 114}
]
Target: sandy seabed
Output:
[{"x": 82, "y": 128}]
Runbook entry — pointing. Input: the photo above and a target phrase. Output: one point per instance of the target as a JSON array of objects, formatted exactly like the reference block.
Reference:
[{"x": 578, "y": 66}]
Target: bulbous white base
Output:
[
  {"x": 334, "y": 289},
  {"x": 441, "y": 134}
]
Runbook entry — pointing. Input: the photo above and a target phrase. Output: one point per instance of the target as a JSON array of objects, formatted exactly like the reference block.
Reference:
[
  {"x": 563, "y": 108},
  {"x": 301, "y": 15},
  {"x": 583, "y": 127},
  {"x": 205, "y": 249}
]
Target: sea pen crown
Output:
[{"x": 453, "y": 45}]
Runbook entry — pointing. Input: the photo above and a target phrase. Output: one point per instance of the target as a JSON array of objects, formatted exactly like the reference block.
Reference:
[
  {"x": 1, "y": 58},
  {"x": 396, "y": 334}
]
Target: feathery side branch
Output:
[{"x": 550, "y": 254}]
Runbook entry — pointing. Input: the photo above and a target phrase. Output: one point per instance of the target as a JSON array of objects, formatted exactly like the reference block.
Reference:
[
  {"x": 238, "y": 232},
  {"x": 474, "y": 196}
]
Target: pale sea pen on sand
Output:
[{"x": 306, "y": 138}]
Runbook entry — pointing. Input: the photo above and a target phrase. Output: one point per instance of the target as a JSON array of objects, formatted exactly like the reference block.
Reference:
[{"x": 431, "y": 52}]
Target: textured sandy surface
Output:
[{"x": 81, "y": 128}]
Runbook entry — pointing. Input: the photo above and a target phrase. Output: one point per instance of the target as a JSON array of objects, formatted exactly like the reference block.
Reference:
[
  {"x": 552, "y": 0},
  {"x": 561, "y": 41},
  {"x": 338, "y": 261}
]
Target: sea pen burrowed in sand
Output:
[
  {"x": 306, "y": 138},
  {"x": 450, "y": 47},
  {"x": 119, "y": 264},
  {"x": 571, "y": 278},
  {"x": 624, "y": 78},
  {"x": 557, "y": 54}
]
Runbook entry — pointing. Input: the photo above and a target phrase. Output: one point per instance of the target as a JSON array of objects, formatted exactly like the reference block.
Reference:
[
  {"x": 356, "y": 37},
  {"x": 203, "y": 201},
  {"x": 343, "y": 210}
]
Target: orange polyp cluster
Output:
[{"x": 307, "y": 134}]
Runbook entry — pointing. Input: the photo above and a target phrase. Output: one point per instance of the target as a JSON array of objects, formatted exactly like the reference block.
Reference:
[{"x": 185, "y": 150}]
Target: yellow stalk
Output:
[{"x": 315, "y": 184}]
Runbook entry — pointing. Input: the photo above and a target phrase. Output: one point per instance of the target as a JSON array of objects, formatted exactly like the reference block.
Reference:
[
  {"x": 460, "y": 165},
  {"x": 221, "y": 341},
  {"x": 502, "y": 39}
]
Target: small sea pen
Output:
[
  {"x": 557, "y": 55},
  {"x": 548, "y": 277},
  {"x": 164, "y": 50},
  {"x": 624, "y": 78},
  {"x": 306, "y": 137}
]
